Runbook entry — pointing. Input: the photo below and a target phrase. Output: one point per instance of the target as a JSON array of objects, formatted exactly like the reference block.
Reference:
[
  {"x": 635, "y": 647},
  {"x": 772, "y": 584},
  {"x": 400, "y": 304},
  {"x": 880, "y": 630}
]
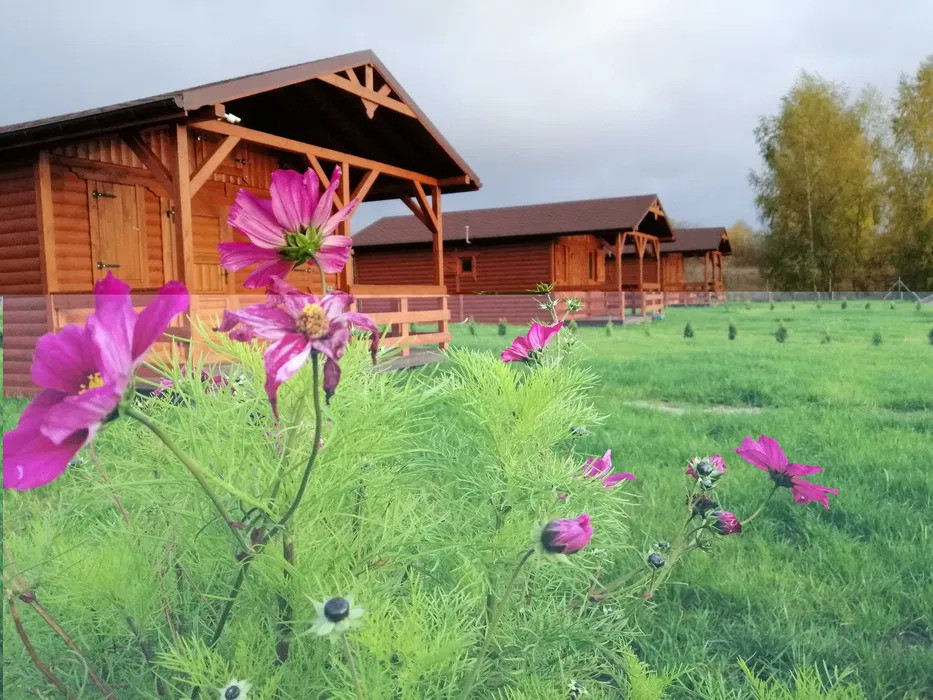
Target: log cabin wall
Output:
[
  {"x": 672, "y": 265},
  {"x": 468, "y": 268},
  {"x": 579, "y": 262},
  {"x": 25, "y": 315}
]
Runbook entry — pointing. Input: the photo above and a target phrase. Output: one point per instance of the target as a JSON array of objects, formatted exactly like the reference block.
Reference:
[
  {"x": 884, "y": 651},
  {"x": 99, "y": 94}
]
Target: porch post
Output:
[
  {"x": 345, "y": 277},
  {"x": 619, "y": 246},
  {"x": 438, "y": 245},
  {"x": 181, "y": 206}
]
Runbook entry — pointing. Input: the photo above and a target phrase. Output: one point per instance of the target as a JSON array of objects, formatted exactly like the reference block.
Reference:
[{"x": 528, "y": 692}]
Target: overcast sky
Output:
[{"x": 547, "y": 101}]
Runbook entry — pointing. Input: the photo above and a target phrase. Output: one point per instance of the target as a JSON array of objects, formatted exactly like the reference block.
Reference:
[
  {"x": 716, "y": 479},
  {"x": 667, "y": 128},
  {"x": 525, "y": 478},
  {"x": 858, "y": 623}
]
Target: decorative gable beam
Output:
[
  {"x": 149, "y": 159},
  {"x": 368, "y": 94}
]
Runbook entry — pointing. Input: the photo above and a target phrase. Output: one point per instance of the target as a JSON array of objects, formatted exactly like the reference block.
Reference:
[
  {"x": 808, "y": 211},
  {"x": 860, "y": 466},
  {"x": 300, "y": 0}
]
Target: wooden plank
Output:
[
  {"x": 284, "y": 144},
  {"x": 89, "y": 170},
  {"x": 343, "y": 228},
  {"x": 405, "y": 326},
  {"x": 210, "y": 165},
  {"x": 367, "y": 94},
  {"x": 397, "y": 290},
  {"x": 429, "y": 316},
  {"x": 152, "y": 162},
  {"x": 429, "y": 218},
  {"x": 415, "y": 209},
  {"x": 416, "y": 339},
  {"x": 181, "y": 204},
  {"x": 365, "y": 185},
  {"x": 46, "y": 223}
]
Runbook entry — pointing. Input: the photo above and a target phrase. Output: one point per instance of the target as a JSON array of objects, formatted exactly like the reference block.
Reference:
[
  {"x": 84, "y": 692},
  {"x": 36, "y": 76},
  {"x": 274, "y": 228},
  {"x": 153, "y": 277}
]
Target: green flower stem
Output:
[
  {"x": 192, "y": 467},
  {"x": 491, "y": 627},
  {"x": 323, "y": 276},
  {"x": 285, "y": 610},
  {"x": 318, "y": 429},
  {"x": 616, "y": 584},
  {"x": 351, "y": 663},
  {"x": 761, "y": 507}
]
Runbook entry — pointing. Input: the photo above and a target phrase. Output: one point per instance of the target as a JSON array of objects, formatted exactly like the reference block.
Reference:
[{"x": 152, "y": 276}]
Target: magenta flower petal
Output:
[
  {"x": 726, "y": 523},
  {"x": 31, "y": 460},
  {"x": 63, "y": 360},
  {"x": 264, "y": 273},
  {"x": 152, "y": 321},
  {"x": 254, "y": 218},
  {"x": 260, "y": 320},
  {"x": 802, "y": 469},
  {"x": 239, "y": 254},
  {"x": 333, "y": 253},
  {"x": 283, "y": 359},
  {"x": 80, "y": 412},
  {"x": 595, "y": 467},
  {"x": 331, "y": 378},
  {"x": 111, "y": 326},
  {"x": 536, "y": 339},
  {"x": 764, "y": 454},
  {"x": 614, "y": 479},
  {"x": 291, "y": 199},
  {"x": 805, "y": 492},
  {"x": 364, "y": 322},
  {"x": 332, "y": 222},
  {"x": 519, "y": 351},
  {"x": 326, "y": 202}
]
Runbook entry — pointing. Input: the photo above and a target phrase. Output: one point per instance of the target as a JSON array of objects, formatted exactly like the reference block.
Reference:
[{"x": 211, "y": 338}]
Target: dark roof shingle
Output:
[{"x": 581, "y": 216}]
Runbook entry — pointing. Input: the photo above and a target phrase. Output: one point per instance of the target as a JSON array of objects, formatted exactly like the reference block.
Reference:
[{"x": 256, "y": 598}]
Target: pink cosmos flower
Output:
[
  {"x": 566, "y": 536},
  {"x": 298, "y": 325},
  {"x": 709, "y": 465},
  {"x": 600, "y": 468},
  {"x": 292, "y": 229},
  {"x": 726, "y": 523},
  {"x": 766, "y": 454},
  {"x": 84, "y": 373},
  {"x": 525, "y": 347}
]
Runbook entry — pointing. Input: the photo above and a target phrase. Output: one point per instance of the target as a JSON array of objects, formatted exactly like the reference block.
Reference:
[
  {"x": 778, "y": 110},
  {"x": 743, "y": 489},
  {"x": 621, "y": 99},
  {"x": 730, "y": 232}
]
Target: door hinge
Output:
[{"x": 97, "y": 194}]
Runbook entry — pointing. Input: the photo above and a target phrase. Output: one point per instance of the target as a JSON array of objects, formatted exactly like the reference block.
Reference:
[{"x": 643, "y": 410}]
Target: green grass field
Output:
[{"x": 851, "y": 587}]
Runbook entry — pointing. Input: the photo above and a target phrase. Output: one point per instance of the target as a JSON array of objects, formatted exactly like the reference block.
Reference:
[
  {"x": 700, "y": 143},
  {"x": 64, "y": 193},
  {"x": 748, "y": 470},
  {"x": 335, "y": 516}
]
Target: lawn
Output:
[
  {"x": 430, "y": 479},
  {"x": 851, "y": 587}
]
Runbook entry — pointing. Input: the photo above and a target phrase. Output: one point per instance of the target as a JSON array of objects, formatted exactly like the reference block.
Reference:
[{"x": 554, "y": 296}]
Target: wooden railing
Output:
[{"x": 401, "y": 306}]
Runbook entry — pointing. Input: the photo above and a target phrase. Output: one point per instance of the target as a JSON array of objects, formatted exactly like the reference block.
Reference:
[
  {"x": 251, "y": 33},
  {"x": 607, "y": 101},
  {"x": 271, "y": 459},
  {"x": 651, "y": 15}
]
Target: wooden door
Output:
[
  {"x": 209, "y": 227},
  {"x": 118, "y": 235}
]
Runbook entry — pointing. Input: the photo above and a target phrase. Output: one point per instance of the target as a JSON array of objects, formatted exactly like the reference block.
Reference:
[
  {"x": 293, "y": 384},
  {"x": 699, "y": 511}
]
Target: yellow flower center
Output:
[
  {"x": 94, "y": 381},
  {"x": 312, "y": 321}
]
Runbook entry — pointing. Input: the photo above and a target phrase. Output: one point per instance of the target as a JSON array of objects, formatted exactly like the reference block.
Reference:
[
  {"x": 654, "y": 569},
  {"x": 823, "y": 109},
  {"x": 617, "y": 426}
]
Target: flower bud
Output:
[
  {"x": 566, "y": 536},
  {"x": 725, "y": 523},
  {"x": 337, "y": 609},
  {"x": 655, "y": 560},
  {"x": 663, "y": 546},
  {"x": 702, "y": 503}
]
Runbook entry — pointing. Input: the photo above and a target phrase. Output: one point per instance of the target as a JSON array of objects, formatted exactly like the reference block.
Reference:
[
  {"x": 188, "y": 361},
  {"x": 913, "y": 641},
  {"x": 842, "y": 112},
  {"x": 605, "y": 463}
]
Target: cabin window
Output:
[{"x": 466, "y": 265}]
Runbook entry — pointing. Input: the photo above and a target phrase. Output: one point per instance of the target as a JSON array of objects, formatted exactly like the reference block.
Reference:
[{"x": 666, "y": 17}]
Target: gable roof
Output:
[
  {"x": 696, "y": 240},
  {"x": 287, "y": 102},
  {"x": 597, "y": 216}
]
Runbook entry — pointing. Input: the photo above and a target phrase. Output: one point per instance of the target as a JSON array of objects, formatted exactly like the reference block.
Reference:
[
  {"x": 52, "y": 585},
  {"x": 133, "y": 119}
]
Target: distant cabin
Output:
[
  {"x": 143, "y": 188},
  {"x": 576, "y": 245},
  {"x": 693, "y": 246}
]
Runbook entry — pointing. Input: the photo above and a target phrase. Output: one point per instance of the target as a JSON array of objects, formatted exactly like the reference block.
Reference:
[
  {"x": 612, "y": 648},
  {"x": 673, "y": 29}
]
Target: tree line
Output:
[{"x": 845, "y": 191}]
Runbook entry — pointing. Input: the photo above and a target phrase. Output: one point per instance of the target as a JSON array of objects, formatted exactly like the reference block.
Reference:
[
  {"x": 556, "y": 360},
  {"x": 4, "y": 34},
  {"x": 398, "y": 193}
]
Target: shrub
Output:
[
  {"x": 688, "y": 330},
  {"x": 609, "y": 325},
  {"x": 772, "y": 306},
  {"x": 748, "y": 307},
  {"x": 930, "y": 336},
  {"x": 919, "y": 306},
  {"x": 876, "y": 338},
  {"x": 780, "y": 334},
  {"x": 867, "y": 304},
  {"x": 793, "y": 307},
  {"x": 572, "y": 325},
  {"x": 733, "y": 331},
  {"x": 819, "y": 305},
  {"x": 471, "y": 326},
  {"x": 844, "y": 304},
  {"x": 503, "y": 327},
  {"x": 827, "y": 338},
  {"x": 892, "y": 306}
]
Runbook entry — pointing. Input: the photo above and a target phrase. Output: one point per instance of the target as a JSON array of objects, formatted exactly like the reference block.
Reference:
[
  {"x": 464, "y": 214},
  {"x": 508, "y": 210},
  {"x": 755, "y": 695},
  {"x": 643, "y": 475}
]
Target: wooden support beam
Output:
[
  {"x": 46, "y": 223},
  {"x": 181, "y": 206},
  {"x": 365, "y": 185},
  {"x": 620, "y": 243},
  {"x": 152, "y": 162},
  {"x": 415, "y": 209},
  {"x": 429, "y": 217},
  {"x": 367, "y": 93},
  {"x": 436, "y": 217},
  {"x": 284, "y": 144},
  {"x": 343, "y": 228},
  {"x": 211, "y": 164}
]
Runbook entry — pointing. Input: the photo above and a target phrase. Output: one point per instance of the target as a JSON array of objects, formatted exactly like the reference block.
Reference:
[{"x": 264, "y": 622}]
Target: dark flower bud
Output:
[
  {"x": 337, "y": 609},
  {"x": 655, "y": 560},
  {"x": 706, "y": 483},
  {"x": 662, "y": 545},
  {"x": 704, "y": 468},
  {"x": 702, "y": 503}
]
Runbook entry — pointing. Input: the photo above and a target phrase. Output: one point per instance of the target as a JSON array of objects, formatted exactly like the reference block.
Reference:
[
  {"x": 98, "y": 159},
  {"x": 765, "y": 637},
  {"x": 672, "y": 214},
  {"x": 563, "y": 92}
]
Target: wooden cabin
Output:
[
  {"x": 690, "y": 247},
  {"x": 144, "y": 188},
  {"x": 493, "y": 258}
]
